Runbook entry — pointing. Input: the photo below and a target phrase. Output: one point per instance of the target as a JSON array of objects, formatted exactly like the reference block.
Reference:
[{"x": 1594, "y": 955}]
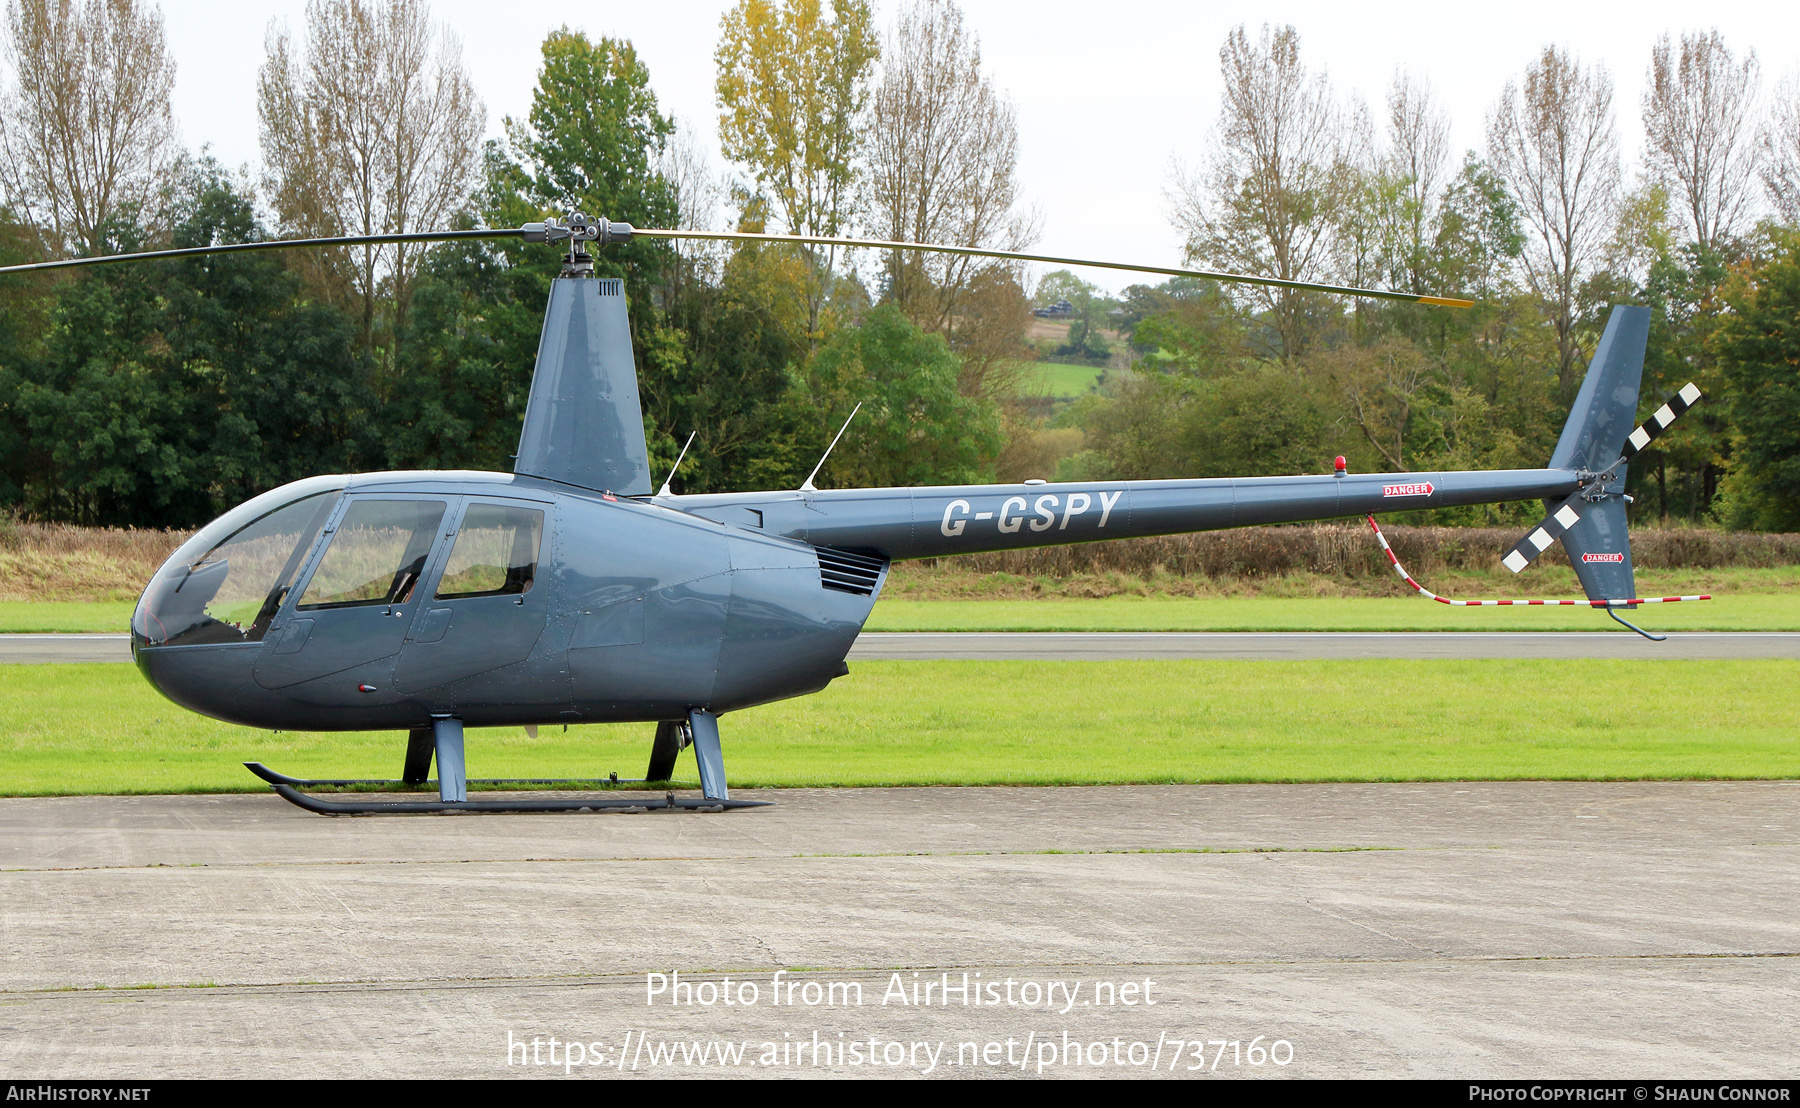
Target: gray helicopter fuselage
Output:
[
  {"x": 629, "y": 610},
  {"x": 387, "y": 600},
  {"x": 607, "y": 608}
]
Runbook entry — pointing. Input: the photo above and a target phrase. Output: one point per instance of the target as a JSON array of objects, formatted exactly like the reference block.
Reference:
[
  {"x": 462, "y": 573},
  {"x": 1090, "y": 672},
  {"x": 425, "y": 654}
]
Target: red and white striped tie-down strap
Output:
[{"x": 1425, "y": 592}]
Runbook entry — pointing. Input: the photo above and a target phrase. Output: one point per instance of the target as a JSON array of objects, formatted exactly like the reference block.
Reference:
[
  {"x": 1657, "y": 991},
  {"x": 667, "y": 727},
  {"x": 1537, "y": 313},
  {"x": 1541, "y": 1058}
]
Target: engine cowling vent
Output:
[
  {"x": 849, "y": 571},
  {"x": 611, "y": 286}
]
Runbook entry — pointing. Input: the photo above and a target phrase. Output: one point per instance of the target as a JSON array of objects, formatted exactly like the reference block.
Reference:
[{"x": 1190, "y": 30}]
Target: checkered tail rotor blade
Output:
[
  {"x": 1568, "y": 513},
  {"x": 1538, "y": 539},
  {"x": 1659, "y": 420}
]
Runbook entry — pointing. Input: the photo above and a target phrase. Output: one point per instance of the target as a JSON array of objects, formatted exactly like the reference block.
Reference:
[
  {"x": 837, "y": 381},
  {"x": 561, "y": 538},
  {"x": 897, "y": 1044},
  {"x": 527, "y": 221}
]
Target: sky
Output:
[{"x": 1109, "y": 95}]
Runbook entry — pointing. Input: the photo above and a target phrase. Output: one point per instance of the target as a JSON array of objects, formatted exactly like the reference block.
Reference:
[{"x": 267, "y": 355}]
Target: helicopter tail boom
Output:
[{"x": 902, "y": 523}]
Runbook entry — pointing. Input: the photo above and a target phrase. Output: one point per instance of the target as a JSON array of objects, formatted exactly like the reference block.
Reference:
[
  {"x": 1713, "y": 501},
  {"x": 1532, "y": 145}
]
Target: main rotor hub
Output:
[{"x": 578, "y": 230}]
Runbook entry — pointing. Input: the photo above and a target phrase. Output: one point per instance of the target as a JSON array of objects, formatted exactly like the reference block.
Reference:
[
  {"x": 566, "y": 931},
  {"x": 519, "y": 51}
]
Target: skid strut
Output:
[{"x": 443, "y": 740}]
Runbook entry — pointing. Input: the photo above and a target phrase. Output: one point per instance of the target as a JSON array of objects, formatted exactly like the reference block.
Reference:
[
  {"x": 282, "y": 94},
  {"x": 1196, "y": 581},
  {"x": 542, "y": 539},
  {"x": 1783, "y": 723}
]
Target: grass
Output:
[
  {"x": 101, "y": 729},
  {"x": 1054, "y": 379},
  {"x": 943, "y": 580},
  {"x": 923, "y": 597},
  {"x": 1262, "y": 613},
  {"x": 21, "y": 616}
]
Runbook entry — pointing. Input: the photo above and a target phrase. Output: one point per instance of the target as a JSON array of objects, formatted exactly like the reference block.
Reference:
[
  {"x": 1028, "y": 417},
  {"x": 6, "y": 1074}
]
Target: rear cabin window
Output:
[
  {"x": 495, "y": 553},
  {"x": 376, "y": 556}
]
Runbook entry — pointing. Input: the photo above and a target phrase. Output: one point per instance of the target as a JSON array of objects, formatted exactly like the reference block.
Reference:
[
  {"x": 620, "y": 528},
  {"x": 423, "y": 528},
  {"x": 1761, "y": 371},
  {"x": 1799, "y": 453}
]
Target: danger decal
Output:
[
  {"x": 1603, "y": 557},
  {"x": 1424, "y": 488}
]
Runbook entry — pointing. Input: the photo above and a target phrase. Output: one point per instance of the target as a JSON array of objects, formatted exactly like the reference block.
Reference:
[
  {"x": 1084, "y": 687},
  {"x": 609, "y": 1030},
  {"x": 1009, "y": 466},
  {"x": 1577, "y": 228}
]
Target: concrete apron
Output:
[{"x": 1453, "y": 929}]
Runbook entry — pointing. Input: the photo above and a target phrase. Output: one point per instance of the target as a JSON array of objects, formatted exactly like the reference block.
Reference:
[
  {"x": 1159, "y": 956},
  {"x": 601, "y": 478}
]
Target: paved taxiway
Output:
[
  {"x": 1443, "y": 929},
  {"x": 1126, "y": 645}
]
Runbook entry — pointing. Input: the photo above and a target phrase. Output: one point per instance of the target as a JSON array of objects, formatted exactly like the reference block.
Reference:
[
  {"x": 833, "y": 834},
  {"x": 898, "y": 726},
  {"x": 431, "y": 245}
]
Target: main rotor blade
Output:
[
  {"x": 626, "y": 231},
  {"x": 269, "y": 244},
  {"x": 1013, "y": 255}
]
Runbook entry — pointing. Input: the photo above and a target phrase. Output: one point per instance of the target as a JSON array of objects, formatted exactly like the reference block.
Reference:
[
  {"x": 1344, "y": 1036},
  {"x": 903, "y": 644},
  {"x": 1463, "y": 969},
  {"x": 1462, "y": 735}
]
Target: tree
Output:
[
  {"x": 168, "y": 391},
  {"x": 1090, "y": 315},
  {"x": 1555, "y": 146},
  {"x": 1418, "y": 150},
  {"x": 943, "y": 151},
  {"x": 914, "y": 427},
  {"x": 1478, "y": 235},
  {"x": 1263, "y": 203},
  {"x": 1699, "y": 120},
  {"x": 792, "y": 90},
  {"x": 593, "y": 141},
  {"x": 1185, "y": 325},
  {"x": 1759, "y": 347},
  {"x": 375, "y": 132},
  {"x": 1779, "y": 147},
  {"x": 1382, "y": 385},
  {"x": 85, "y": 132},
  {"x": 594, "y": 136},
  {"x": 699, "y": 197},
  {"x": 1684, "y": 286},
  {"x": 1257, "y": 421}
]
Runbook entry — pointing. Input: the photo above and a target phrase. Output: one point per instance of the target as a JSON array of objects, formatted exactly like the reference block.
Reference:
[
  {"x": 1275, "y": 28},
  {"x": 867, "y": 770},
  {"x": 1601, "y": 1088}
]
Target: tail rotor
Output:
[{"x": 1562, "y": 521}]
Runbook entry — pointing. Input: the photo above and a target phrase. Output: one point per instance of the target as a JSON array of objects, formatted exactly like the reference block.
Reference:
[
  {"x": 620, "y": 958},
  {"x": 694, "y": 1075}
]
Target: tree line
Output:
[
  {"x": 1543, "y": 227},
  {"x": 161, "y": 393}
]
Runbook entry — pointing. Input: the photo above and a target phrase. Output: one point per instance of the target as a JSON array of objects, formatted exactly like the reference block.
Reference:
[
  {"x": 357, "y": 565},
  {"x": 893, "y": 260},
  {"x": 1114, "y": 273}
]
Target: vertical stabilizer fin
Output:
[
  {"x": 1593, "y": 440},
  {"x": 1605, "y": 409},
  {"x": 584, "y": 423}
]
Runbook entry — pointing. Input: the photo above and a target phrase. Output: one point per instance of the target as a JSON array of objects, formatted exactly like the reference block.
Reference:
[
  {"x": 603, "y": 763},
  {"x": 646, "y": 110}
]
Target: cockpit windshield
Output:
[{"x": 232, "y": 590}]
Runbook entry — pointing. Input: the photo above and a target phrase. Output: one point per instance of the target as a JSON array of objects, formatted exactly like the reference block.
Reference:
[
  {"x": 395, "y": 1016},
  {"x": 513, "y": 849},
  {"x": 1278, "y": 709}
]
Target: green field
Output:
[
  {"x": 100, "y": 729},
  {"x": 1263, "y": 613},
  {"x": 20, "y": 616},
  {"x": 1056, "y": 379}
]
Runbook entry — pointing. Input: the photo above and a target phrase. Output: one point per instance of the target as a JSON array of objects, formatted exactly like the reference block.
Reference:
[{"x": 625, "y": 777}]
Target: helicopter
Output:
[{"x": 572, "y": 591}]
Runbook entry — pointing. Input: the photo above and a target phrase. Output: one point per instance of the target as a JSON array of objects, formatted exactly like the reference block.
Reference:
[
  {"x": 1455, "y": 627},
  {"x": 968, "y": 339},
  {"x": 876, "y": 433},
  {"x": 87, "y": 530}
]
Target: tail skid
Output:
[{"x": 1609, "y": 605}]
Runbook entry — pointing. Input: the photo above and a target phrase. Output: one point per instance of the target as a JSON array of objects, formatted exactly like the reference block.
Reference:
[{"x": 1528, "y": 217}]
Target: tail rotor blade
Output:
[
  {"x": 1557, "y": 523},
  {"x": 1540, "y": 538},
  {"x": 1659, "y": 421}
]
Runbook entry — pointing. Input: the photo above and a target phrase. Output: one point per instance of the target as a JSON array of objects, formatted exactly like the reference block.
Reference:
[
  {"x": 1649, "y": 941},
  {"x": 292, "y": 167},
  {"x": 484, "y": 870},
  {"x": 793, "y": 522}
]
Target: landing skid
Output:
[
  {"x": 275, "y": 778},
  {"x": 667, "y": 802},
  {"x": 443, "y": 740}
]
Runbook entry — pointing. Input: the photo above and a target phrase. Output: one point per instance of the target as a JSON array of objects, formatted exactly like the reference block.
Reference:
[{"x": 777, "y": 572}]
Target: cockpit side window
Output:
[
  {"x": 231, "y": 592},
  {"x": 495, "y": 553},
  {"x": 376, "y": 556}
]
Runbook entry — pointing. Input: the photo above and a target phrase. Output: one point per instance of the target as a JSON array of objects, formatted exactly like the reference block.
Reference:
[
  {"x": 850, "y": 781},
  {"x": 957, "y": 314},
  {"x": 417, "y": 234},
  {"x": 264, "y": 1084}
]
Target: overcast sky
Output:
[{"x": 1108, "y": 93}]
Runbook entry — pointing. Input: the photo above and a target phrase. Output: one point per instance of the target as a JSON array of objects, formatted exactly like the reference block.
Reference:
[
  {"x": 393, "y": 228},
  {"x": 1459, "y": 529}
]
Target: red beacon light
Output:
[{"x": 1340, "y": 466}]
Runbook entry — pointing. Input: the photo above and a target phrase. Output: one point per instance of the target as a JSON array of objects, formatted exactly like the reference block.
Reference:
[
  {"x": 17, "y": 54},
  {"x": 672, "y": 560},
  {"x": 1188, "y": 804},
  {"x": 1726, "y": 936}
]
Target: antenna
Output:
[
  {"x": 807, "y": 485},
  {"x": 664, "y": 491}
]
